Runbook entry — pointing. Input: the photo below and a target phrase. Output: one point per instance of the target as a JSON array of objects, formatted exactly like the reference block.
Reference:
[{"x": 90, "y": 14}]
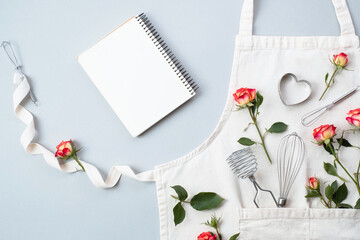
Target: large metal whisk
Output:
[
  {"x": 290, "y": 157},
  {"x": 243, "y": 164}
]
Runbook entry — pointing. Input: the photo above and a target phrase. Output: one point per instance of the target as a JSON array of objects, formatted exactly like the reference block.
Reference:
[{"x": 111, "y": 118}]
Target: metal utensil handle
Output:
[
  {"x": 32, "y": 96},
  {"x": 257, "y": 191},
  {"x": 345, "y": 96},
  {"x": 257, "y": 188}
]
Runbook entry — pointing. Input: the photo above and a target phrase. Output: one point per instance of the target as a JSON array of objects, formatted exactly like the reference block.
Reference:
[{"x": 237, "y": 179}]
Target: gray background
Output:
[{"x": 38, "y": 202}]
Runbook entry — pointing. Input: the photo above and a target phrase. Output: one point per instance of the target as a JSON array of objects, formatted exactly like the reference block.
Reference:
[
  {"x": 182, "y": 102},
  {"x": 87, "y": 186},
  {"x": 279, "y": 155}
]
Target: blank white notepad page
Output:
[{"x": 131, "y": 73}]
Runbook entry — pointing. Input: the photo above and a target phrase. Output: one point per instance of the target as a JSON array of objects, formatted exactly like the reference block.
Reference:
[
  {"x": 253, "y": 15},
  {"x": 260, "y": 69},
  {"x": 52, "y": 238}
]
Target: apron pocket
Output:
[{"x": 298, "y": 223}]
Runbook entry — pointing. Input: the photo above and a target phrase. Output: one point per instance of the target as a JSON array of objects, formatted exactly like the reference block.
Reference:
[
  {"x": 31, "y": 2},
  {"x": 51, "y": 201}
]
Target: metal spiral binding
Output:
[{"x": 185, "y": 78}]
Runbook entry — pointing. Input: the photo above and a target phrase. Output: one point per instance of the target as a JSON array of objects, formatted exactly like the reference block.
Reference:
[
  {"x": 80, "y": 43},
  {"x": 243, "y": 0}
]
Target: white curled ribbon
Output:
[{"x": 28, "y": 135}]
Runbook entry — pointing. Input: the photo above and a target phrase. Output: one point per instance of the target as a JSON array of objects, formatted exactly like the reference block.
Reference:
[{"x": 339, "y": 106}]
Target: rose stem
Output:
[
  {"x": 357, "y": 173},
  {"x": 261, "y": 137},
  {"x": 342, "y": 166},
  {"x": 77, "y": 160},
  {"x": 218, "y": 233},
  {"x": 328, "y": 85},
  {"x": 324, "y": 202}
]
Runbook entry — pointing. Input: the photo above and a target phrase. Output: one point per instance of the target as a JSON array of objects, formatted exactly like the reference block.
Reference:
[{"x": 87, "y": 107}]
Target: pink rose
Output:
[
  {"x": 207, "y": 236},
  {"x": 244, "y": 96},
  {"x": 313, "y": 183},
  {"x": 341, "y": 60},
  {"x": 354, "y": 117},
  {"x": 324, "y": 133},
  {"x": 64, "y": 149}
]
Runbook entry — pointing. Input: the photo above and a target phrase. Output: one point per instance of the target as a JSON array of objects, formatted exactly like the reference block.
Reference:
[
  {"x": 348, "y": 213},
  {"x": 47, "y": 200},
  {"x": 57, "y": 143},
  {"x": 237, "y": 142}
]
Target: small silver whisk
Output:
[
  {"x": 13, "y": 59},
  {"x": 243, "y": 164},
  {"x": 290, "y": 157}
]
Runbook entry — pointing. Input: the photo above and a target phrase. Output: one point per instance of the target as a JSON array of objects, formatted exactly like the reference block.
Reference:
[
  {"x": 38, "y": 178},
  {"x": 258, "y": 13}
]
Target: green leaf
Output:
[
  {"x": 341, "y": 194},
  {"x": 327, "y": 148},
  {"x": 344, "y": 205},
  {"x": 334, "y": 185},
  {"x": 214, "y": 221},
  {"x": 181, "y": 192},
  {"x": 329, "y": 191},
  {"x": 206, "y": 201},
  {"x": 235, "y": 236},
  {"x": 277, "y": 127},
  {"x": 253, "y": 107},
  {"x": 357, "y": 205},
  {"x": 326, "y": 77},
  {"x": 240, "y": 107},
  {"x": 344, "y": 142},
  {"x": 259, "y": 100},
  {"x": 246, "y": 141},
  {"x": 330, "y": 169},
  {"x": 179, "y": 213},
  {"x": 312, "y": 194}
]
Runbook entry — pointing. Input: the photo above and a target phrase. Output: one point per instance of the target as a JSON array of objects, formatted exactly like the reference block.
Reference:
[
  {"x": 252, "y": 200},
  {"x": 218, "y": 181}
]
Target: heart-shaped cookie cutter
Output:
[{"x": 293, "y": 76}]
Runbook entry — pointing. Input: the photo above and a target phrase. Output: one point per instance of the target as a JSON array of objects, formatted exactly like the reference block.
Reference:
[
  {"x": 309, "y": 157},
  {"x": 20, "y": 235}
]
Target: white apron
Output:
[{"x": 259, "y": 62}]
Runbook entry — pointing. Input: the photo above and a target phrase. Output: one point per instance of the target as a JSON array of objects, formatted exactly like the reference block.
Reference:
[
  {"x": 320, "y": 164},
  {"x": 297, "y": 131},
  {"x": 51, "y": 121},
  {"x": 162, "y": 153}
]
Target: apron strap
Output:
[
  {"x": 344, "y": 17},
  {"x": 247, "y": 19},
  {"x": 92, "y": 172},
  {"x": 341, "y": 9}
]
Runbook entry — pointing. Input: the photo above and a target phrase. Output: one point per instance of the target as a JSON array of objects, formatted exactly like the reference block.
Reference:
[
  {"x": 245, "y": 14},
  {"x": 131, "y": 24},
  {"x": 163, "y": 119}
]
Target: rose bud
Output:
[
  {"x": 313, "y": 183},
  {"x": 324, "y": 133},
  {"x": 340, "y": 60},
  {"x": 64, "y": 150},
  {"x": 354, "y": 117},
  {"x": 207, "y": 236},
  {"x": 244, "y": 96}
]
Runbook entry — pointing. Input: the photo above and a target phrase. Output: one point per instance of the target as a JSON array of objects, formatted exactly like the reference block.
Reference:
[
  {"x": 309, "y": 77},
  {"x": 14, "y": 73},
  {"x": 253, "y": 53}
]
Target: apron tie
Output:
[{"x": 92, "y": 172}]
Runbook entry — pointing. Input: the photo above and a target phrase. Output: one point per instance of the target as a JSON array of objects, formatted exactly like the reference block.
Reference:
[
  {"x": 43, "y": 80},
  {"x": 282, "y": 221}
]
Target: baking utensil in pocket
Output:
[
  {"x": 243, "y": 164},
  {"x": 290, "y": 156}
]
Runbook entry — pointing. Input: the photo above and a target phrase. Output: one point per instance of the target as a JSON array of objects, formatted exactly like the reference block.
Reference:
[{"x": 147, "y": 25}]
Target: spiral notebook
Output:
[{"x": 137, "y": 74}]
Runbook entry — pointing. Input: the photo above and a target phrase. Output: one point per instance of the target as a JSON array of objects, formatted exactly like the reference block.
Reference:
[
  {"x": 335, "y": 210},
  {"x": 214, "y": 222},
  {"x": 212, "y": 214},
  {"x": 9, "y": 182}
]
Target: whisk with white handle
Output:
[
  {"x": 290, "y": 157},
  {"x": 243, "y": 164},
  {"x": 12, "y": 57}
]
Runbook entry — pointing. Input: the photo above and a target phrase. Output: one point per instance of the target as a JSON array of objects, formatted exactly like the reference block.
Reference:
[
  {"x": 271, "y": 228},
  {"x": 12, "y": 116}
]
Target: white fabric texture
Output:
[
  {"x": 69, "y": 166},
  {"x": 260, "y": 62},
  {"x": 293, "y": 223}
]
